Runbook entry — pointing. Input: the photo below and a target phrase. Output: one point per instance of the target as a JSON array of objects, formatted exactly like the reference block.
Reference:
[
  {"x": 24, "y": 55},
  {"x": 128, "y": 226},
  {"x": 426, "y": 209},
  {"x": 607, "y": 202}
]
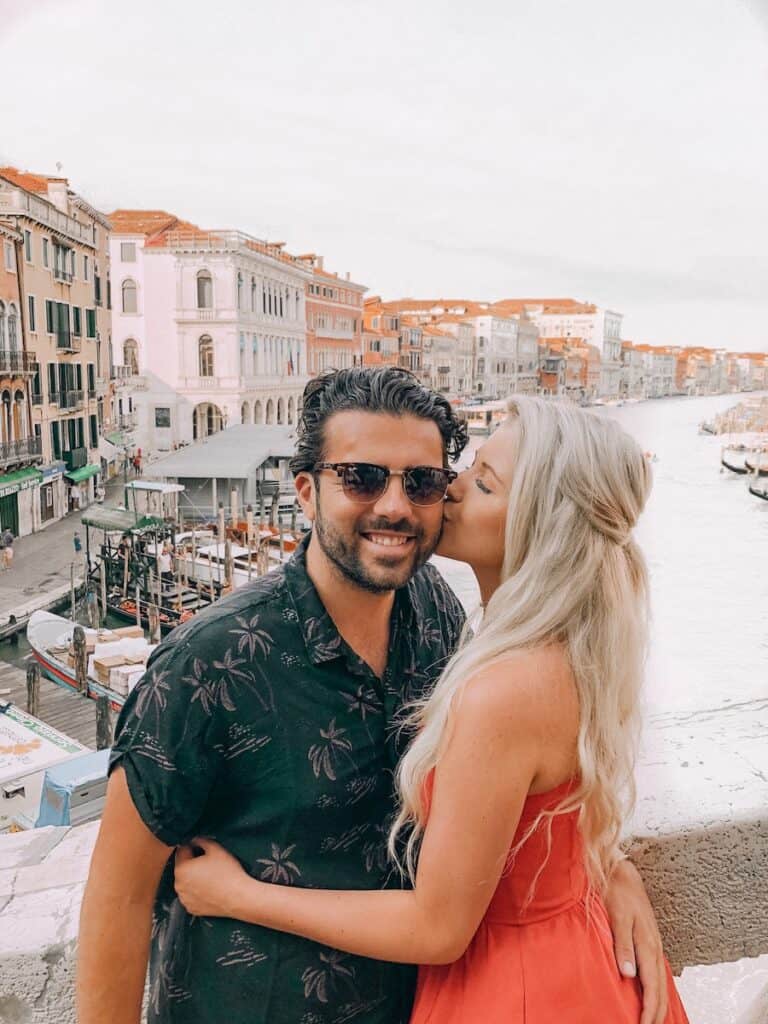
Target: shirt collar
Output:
[{"x": 321, "y": 637}]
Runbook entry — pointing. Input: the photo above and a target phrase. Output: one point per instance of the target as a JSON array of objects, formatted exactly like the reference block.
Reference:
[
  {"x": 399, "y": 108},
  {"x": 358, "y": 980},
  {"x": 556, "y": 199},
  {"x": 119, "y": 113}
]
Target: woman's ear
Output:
[{"x": 305, "y": 492}]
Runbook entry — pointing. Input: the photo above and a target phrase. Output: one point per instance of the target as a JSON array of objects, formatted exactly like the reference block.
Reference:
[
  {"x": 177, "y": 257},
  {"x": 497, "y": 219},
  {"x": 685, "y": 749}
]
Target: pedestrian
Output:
[
  {"x": 77, "y": 543},
  {"x": 7, "y": 542},
  {"x": 74, "y": 497},
  {"x": 165, "y": 563},
  {"x": 269, "y": 725}
]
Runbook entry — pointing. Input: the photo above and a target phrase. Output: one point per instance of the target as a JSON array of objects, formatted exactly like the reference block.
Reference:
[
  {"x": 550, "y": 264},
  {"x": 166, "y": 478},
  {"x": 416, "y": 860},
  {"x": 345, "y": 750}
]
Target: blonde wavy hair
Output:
[{"x": 572, "y": 574}]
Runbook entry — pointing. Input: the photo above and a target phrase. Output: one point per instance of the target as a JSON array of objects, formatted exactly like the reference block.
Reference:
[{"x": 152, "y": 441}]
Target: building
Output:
[
  {"x": 210, "y": 327},
  {"x": 660, "y": 370},
  {"x": 64, "y": 330},
  {"x": 569, "y": 318},
  {"x": 632, "y": 375},
  {"x": 334, "y": 313}
]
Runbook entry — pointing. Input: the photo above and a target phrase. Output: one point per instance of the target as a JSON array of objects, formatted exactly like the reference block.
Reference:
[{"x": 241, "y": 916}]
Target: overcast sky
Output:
[{"x": 607, "y": 151}]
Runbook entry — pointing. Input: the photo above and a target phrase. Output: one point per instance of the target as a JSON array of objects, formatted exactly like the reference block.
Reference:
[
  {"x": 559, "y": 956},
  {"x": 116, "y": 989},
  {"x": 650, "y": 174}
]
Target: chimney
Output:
[
  {"x": 57, "y": 193},
  {"x": 319, "y": 262}
]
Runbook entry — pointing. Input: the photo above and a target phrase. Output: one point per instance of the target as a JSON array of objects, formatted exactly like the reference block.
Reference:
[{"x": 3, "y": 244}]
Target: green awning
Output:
[
  {"x": 104, "y": 517},
  {"x": 116, "y": 437},
  {"x": 84, "y": 473},
  {"x": 19, "y": 481}
]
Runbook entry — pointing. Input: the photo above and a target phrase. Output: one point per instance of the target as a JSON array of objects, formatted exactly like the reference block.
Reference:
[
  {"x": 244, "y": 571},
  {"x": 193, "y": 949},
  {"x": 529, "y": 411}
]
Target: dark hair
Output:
[{"x": 380, "y": 389}]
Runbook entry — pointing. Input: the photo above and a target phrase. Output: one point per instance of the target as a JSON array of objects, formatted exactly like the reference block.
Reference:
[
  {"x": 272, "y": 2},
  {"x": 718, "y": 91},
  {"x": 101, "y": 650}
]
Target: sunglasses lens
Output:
[
  {"x": 425, "y": 485},
  {"x": 364, "y": 482}
]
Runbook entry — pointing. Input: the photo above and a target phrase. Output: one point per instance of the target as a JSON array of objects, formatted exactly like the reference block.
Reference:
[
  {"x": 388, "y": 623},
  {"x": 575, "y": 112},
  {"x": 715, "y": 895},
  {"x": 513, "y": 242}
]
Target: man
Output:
[{"x": 269, "y": 724}]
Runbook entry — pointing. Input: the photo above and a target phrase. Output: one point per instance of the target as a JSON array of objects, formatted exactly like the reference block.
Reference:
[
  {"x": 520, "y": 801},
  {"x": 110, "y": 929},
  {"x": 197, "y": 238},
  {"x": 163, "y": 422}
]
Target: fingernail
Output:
[{"x": 628, "y": 969}]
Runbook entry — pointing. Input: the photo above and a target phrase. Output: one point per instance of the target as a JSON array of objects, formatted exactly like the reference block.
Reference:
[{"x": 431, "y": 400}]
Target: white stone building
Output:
[
  {"x": 496, "y": 355},
  {"x": 209, "y": 329}
]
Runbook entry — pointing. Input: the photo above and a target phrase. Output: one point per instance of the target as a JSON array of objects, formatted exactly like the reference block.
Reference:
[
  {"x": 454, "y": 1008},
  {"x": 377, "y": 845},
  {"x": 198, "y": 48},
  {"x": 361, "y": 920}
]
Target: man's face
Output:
[{"x": 379, "y": 545}]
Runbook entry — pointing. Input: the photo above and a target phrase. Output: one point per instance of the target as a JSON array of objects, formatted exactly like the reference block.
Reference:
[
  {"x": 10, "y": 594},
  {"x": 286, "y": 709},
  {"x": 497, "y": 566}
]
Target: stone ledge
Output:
[{"x": 735, "y": 993}]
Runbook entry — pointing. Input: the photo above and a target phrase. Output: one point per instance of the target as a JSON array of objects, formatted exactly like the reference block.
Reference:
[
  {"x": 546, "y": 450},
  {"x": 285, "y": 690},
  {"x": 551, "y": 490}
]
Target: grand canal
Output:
[{"x": 706, "y": 541}]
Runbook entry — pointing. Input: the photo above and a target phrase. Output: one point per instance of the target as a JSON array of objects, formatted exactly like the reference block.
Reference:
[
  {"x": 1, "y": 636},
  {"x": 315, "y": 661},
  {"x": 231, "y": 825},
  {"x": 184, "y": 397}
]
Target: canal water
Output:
[{"x": 706, "y": 540}]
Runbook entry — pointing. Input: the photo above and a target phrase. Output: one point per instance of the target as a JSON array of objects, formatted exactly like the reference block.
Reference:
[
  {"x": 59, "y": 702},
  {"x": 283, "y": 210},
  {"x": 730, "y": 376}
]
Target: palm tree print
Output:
[
  {"x": 279, "y": 868},
  {"x": 152, "y": 692},
  {"x": 324, "y": 756},
  {"x": 210, "y": 692},
  {"x": 251, "y": 637},
  {"x": 364, "y": 701},
  {"x": 322, "y": 981}
]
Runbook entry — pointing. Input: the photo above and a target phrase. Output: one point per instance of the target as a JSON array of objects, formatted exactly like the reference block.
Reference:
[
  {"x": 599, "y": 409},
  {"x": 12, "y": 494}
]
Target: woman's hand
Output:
[
  {"x": 211, "y": 884},
  {"x": 636, "y": 939}
]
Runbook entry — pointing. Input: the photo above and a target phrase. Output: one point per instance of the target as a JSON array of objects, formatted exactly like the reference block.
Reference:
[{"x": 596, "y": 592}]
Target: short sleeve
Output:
[{"x": 164, "y": 742}]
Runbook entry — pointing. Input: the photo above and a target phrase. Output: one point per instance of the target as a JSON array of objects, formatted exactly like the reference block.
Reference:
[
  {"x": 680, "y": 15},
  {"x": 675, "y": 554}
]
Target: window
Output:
[
  {"x": 90, "y": 323},
  {"x": 94, "y": 424},
  {"x": 32, "y": 318},
  {"x": 10, "y": 262},
  {"x": 205, "y": 356},
  {"x": 204, "y": 290},
  {"x": 52, "y": 386},
  {"x": 239, "y": 290},
  {"x": 128, "y": 252},
  {"x": 46, "y": 256},
  {"x": 49, "y": 316},
  {"x": 97, "y": 286},
  {"x": 13, "y": 328},
  {"x": 131, "y": 355},
  {"x": 73, "y": 261},
  {"x": 28, "y": 246},
  {"x": 162, "y": 416},
  {"x": 129, "y": 297},
  {"x": 55, "y": 440},
  {"x": 253, "y": 294},
  {"x": 77, "y": 321},
  {"x": 85, "y": 268}
]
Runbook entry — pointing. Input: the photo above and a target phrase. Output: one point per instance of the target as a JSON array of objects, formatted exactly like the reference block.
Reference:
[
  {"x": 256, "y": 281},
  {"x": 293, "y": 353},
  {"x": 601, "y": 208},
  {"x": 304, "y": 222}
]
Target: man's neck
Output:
[{"x": 361, "y": 616}]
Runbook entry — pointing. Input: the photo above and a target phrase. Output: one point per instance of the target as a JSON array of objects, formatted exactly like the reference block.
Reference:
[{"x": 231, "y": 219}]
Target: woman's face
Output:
[{"x": 475, "y": 512}]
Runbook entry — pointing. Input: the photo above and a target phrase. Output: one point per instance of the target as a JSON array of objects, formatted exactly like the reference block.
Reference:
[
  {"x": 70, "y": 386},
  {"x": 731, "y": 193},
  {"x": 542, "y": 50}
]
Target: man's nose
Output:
[{"x": 393, "y": 504}]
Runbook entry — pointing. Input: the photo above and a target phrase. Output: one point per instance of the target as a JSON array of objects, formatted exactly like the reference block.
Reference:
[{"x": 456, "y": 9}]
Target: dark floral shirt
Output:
[{"x": 258, "y": 726}]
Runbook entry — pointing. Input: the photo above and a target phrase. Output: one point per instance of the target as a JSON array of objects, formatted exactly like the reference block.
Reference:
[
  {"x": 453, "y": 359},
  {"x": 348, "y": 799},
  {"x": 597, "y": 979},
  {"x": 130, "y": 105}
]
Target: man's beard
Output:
[{"x": 344, "y": 552}]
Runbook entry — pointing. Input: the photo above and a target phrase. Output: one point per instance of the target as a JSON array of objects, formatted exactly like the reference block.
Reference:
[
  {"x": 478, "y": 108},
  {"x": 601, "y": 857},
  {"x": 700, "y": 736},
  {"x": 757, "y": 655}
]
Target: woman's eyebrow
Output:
[{"x": 485, "y": 465}]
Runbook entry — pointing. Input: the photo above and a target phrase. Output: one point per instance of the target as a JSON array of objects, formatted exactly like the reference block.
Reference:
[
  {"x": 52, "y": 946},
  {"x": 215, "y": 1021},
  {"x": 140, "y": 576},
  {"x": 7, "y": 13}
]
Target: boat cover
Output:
[{"x": 72, "y": 777}]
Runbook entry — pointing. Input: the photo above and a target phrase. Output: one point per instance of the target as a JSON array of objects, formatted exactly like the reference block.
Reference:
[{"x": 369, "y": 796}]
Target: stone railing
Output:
[{"x": 700, "y": 840}]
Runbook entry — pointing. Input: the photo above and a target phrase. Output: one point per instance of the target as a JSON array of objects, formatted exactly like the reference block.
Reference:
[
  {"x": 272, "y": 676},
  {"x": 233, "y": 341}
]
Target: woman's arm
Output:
[{"x": 509, "y": 722}]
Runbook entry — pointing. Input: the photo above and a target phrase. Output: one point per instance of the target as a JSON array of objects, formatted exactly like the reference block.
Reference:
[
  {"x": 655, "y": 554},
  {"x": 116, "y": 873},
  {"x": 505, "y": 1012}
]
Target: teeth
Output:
[{"x": 387, "y": 541}]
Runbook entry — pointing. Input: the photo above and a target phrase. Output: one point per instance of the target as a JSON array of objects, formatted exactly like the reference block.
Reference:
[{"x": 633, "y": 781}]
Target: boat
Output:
[
  {"x": 733, "y": 458},
  {"x": 759, "y": 490},
  {"x": 483, "y": 417},
  {"x": 757, "y": 463},
  {"x": 50, "y": 637}
]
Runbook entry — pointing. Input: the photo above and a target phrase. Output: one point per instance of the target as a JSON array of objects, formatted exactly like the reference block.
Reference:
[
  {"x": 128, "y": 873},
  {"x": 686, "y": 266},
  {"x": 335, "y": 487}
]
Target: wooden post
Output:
[
  {"x": 127, "y": 552},
  {"x": 138, "y": 604},
  {"x": 293, "y": 519},
  {"x": 72, "y": 592},
  {"x": 103, "y": 723},
  {"x": 81, "y": 659},
  {"x": 249, "y": 535},
  {"x": 14, "y": 637},
  {"x": 92, "y": 609},
  {"x": 234, "y": 506},
  {"x": 33, "y": 688},
  {"x": 228, "y": 564},
  {"x": 281, "y": 541},
  {"x": 154, "y": 623},
  {"x": 103, "y": 581}
]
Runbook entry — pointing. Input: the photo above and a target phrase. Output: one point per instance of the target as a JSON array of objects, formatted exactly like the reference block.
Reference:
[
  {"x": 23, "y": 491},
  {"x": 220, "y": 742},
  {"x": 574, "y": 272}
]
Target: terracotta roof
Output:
[
  {"x": 28, "y": 181},
  {"x": 146, "y": 222},
  {"x": 551, "y": 306}
]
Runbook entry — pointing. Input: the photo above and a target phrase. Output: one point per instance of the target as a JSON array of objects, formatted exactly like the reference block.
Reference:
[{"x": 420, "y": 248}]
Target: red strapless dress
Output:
[{"x": 550, "y": 962}]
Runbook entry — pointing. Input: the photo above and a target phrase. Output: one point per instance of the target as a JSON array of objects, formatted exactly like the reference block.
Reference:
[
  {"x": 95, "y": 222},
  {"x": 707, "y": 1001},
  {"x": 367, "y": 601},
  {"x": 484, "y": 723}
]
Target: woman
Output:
[{"x": 517, "y": 782}]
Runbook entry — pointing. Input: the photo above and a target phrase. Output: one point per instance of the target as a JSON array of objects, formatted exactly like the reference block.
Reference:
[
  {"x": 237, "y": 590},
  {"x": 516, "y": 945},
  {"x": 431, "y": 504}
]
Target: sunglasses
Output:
[{"x": 365, "y": 482}]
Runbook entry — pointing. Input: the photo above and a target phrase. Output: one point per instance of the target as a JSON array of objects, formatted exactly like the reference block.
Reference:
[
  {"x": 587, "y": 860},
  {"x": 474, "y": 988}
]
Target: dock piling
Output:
[
  {"x": 103, "y": 723},
  {"x": 33, "y": 689},
  {"x": 81, "y": 659}
]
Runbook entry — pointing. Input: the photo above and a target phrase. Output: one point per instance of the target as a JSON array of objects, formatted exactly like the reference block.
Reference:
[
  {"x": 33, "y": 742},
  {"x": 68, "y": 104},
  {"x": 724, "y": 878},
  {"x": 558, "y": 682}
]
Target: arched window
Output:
[
  {"x": 13, "y": 329},
  {"x": 253, "y": 295},
  {"x": 270, "y": 411},
  {"x": 205, "y": 354},
  {"x": 130, "y": 300},
  {"x": 258, "y": 412},
  {"x": 245, "y": 413},
  {"x": 290, "y": 411},
  {"x": 204, "y": 290},
  {"x": 18, "y": 416},
  {"x": 280, "y": 411},
  {"x": 6, "y": 422},
  {"x": 131, "y": 355},
  {"x": 2, "y": 325},
  {"x": 239, "y": 290}
]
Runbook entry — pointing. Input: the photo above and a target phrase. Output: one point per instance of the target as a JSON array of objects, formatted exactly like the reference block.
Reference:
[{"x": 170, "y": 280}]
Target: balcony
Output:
[
  {"x": 59, "y": 274},
  {"x": 70, "y": 399},
  {"x": 17, "y": 362},
  {"x": 126, "y": 421},
  {"x": 37, "y": 398},
  {"x": 28, "y": 449},
  {"x": 15, "y": 202},
  {"x": 67, "y": 342},
  {"x": 75, "y": 458}
]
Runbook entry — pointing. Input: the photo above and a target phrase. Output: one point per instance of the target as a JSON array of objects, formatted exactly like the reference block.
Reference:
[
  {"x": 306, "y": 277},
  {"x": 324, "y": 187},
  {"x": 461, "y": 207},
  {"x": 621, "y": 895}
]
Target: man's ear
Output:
[{"x": 305, "y": 492}]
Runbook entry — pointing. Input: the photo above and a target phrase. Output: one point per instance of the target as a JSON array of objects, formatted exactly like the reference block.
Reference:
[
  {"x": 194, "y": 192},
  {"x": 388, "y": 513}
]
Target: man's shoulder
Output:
[{"x": 430, "y": 592}]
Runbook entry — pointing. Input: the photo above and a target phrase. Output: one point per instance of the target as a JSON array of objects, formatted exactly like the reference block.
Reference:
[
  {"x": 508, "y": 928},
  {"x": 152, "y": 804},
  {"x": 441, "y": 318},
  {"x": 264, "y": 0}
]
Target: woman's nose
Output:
[{"x": 453, "y": 493}]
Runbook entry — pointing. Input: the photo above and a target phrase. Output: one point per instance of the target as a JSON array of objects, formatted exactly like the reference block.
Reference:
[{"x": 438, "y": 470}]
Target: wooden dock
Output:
[{"x": 61, "y": 708}]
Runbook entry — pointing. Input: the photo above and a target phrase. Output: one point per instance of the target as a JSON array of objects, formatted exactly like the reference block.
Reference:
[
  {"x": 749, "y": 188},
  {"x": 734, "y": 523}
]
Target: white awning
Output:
[{"x": 107, "y": 450}]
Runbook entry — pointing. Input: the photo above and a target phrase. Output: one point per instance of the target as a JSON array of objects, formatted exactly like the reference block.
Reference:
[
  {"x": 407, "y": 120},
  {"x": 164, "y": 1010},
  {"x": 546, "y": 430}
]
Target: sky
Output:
[{"x": 610, "y": 152}]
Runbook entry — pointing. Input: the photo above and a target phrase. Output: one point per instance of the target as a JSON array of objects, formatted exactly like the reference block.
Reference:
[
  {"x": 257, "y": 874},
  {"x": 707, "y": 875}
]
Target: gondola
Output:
[
  {"x": 758, "y": 466},
  {"x": 758, "y": 491},
  {"x": 734, "y": 467}
]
